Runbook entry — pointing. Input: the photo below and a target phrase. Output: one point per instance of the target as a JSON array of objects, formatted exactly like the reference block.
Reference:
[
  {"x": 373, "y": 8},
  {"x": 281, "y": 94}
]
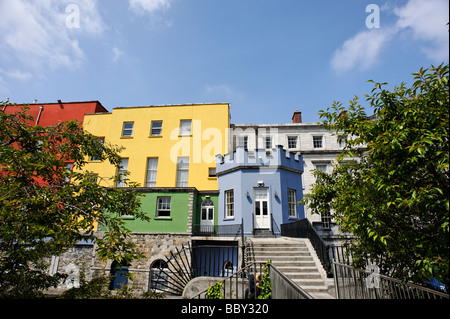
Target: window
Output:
[
  {"x": 185, "y": 127},
  {"x": 163, "y": 207},
  {"x": 158, "y": 275},
  {"x": 102, "y": 141},
  {"x": 268, "y": 142},
  {"x": 156, "y": 128},
  {"x": 207, "y": 210},
  {"x": 182, "y": 171},
  {"x": 321, "y": 167},
  {"x": 122, "y": 178},
  {"x": 326, "y": 220},
  {"x": 127, "y": 129},
  {"x": 292, "y": 205},
  {"x": 292, "y": 141},
  {"x": 342, "y": 141},
  {"x": 243, "y": 141},
  {"x": 92, "y": 178},
  {"x": 152, "y": 169},
  {"x": 317, "y": 141},
  {"x": 118, "y": 275},
  {"x": 212, "y": 172},
  {"x": 229, "y": 204}
]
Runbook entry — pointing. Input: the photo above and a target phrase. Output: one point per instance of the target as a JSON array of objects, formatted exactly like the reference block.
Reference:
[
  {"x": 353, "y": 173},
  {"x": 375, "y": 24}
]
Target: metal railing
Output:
[
  {"x": 351, "y": 283},
  {"x": 236, "y": 285},
  {"x": 285, "y": 288}
]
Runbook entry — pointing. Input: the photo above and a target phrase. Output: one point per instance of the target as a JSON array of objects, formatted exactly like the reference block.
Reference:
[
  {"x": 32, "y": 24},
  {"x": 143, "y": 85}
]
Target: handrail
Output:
[
  {"x": 388, "y": 287},
  {"x": 297, "y": 290},
  {"x": 233, "y": 275}
]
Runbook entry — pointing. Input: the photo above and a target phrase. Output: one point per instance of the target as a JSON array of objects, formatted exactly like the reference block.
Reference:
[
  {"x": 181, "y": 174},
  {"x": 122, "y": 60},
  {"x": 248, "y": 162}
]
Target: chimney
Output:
[{"x": 297, "y": 117}]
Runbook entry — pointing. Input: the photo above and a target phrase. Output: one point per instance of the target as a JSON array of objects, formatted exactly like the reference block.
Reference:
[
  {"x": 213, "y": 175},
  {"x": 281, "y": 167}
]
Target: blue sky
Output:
[{"x": 266, "y": 58}]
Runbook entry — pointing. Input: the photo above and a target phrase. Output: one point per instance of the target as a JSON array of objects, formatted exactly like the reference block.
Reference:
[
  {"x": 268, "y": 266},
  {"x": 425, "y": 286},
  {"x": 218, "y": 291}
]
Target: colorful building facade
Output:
[{"x": 169, "y": 152}]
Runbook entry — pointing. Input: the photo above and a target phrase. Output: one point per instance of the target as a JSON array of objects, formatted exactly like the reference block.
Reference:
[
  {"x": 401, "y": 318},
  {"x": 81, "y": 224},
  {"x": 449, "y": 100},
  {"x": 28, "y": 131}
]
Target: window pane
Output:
[
  {"x": 185, "y": 127},
  {"x": 317, "y": 141},
  {"x": 163, "y": 207},
  {"x": 123, "y": 167},
  {"x": 156, "y": 128},
  {"x": 182, "y": 172},
  {"x": 229, "y": 203},
  {"x": 127, "y": 129},
  {"x": 268, "y": 142},
  {"x": 152, "y": 169},
  {"x": 292, "y": 205},
  {"x": 292, "y": 141}
]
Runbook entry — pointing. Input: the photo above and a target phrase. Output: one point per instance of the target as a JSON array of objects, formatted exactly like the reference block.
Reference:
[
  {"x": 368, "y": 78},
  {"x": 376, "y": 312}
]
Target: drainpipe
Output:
[{"x": 39, "y": 115}]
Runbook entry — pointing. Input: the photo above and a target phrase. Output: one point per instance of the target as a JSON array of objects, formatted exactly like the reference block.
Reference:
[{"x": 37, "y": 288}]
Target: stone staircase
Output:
[{"x": 296, "y": 258}]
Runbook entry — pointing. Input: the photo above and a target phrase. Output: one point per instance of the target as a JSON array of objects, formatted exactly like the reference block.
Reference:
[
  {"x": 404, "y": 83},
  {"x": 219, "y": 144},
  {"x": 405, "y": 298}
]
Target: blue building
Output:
[{"x": 260, "y": 190}]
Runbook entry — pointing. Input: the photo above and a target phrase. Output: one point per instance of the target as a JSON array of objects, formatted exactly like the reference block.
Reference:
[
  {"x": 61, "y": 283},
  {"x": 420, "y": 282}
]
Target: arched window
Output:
[
  {"x": 119, "y": 278},
  {"x": 158, "y": 275}
]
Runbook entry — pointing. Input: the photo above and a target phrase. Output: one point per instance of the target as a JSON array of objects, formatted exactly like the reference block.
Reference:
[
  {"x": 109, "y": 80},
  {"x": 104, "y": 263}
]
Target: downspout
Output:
[{"x": 39, "y": 115}]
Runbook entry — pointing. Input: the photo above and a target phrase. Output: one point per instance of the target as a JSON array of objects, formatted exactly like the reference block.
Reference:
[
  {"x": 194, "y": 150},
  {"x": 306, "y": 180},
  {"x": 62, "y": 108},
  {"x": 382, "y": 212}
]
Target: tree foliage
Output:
[
  {"x": 395, "y": 199},
  {"x": 46, "y": 208}
]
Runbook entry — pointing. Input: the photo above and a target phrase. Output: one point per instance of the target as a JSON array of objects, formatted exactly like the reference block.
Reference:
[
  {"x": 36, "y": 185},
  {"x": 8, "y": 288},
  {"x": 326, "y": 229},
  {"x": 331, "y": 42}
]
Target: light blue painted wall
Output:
[{"x": 279, "y": 172}]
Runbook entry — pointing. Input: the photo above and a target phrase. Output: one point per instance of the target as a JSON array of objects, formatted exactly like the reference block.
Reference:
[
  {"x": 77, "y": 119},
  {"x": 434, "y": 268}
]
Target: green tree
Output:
[
  {"x": 395, "y": 198},
  {"x": 46, "y": 208}
]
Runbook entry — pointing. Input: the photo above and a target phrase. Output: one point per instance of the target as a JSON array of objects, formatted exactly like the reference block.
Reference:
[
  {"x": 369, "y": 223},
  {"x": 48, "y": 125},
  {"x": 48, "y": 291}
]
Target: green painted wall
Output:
[
  {"x": 179, "y": 210},
  {"x": 176, "y": 223}
]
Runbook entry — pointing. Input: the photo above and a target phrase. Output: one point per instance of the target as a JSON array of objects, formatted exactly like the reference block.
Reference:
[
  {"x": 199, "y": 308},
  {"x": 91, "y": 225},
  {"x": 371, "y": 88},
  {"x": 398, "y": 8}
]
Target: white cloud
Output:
[
  {"x": 428, "y": 21},
  {"x": 426, "y": 18},
  {"x": 117, "y": 53},
  {"x": 35, "y": 34},
  {"x": 17, "y": 74},
  {"x": 362, "y": 50},
  {"x": 142, "y": 7}
]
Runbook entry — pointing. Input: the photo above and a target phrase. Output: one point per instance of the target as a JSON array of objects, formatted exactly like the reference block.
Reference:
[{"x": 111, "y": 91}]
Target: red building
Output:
[{"x": 46, "y": 114}]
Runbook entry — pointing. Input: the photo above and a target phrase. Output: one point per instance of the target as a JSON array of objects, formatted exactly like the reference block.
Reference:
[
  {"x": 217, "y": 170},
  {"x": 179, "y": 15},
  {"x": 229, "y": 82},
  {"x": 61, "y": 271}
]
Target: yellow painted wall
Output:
[{"x": 209, "y": 137}]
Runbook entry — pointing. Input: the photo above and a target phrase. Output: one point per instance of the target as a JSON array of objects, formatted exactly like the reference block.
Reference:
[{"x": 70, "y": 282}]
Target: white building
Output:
[{"x": 318, "y": 146}]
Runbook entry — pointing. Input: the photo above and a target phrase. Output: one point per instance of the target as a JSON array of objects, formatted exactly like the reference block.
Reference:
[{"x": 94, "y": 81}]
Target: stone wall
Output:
[{"x": 154, "y": 246}]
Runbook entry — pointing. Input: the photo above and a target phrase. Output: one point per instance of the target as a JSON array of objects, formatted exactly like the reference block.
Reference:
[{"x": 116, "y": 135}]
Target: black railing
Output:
[
  {"x": 303, "y": 229},
  {"x": 351, "y": 283},
  {"x": 231, "y": 230}
]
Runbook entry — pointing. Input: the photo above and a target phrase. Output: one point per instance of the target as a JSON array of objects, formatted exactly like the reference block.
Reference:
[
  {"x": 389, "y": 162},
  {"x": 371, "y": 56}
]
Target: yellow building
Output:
[{"x": 165, "y": 146}]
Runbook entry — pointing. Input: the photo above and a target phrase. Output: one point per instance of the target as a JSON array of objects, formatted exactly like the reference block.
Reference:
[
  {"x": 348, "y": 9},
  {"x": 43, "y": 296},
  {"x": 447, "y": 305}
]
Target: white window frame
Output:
[
  {"x": 93, "y": 158},
  {"x": 292, "y": 203},
  {"x": 182, "y": 171},
  {"x": 127, "y": 131},
  {"x": 316, "y": 141},
  {"x": 185, "y": 127},
  {"x": 295, "y": 139},
  {"x": 229, "y": 204},
  {"x": 152, "y": 172},
  {"x": 163, "y": 204},
  {"x": 156, "y": 131},
  {"x": 123, "y": 168}
]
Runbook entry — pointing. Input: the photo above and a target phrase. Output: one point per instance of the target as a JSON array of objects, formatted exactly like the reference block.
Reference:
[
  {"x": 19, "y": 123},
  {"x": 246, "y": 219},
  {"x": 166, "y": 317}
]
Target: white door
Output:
[
  {"x": 207, "y": 216},
  {"x": 262, "y": 213}
]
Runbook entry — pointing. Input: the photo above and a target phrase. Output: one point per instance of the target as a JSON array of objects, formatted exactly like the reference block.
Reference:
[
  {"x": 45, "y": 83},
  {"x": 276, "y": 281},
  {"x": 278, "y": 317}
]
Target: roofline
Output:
[
  {"x": 57, "y": 103},
  {"x": 170, "y": 105}
]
